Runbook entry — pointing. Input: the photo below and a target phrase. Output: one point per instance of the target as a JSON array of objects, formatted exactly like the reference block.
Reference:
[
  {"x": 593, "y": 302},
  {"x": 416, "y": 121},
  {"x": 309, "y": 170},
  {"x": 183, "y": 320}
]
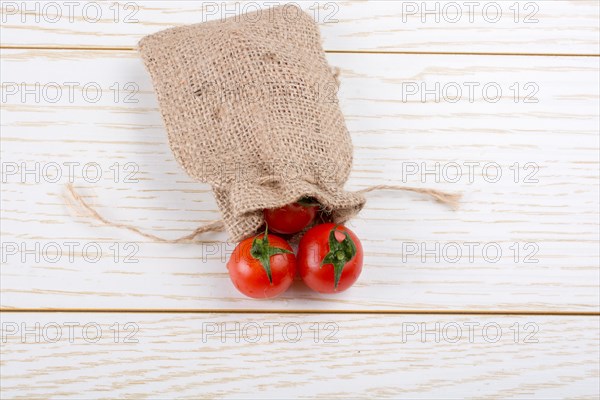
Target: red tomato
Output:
[
  {"x": 330, "y": 258},
  {"x": 291, "y": 218},
  {"x": 263, "y": 266}
]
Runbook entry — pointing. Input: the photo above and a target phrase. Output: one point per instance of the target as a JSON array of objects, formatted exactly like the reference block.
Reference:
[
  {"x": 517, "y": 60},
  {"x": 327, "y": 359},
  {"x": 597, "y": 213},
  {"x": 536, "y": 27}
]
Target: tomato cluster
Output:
[{"x": 329, "y": 257}]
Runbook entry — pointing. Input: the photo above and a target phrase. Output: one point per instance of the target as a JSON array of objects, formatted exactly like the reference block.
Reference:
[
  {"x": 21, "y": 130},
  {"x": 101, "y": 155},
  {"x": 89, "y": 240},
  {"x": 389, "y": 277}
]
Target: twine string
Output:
[
  {"x": 450, "y": 199},
  {"x": 77, "y": 203}
]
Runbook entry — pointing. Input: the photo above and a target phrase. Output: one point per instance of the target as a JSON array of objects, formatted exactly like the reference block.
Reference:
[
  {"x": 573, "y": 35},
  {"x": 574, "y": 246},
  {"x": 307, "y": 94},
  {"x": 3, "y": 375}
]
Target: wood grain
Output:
[
  {"x": 300, "y": 356},
  {"x": 525, "y": 27},
  {"x": 547, "y": 120},
  {"x": 557, "y": 215}
]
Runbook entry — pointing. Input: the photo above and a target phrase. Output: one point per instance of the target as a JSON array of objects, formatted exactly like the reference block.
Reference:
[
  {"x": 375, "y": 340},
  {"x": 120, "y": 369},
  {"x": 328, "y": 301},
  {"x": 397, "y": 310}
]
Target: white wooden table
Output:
[{"x": 497, "y": 100}]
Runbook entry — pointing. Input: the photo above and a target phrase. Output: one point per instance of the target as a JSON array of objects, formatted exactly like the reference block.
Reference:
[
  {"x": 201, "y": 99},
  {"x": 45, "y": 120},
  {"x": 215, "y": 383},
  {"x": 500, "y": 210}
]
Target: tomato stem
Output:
[
  {"x": 340, "y": 253},
  {"x": 262, "y": 251}
]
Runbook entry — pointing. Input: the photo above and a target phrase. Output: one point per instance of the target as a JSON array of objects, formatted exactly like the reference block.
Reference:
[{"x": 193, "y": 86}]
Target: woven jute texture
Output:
[{"x": 250, "y": 107}]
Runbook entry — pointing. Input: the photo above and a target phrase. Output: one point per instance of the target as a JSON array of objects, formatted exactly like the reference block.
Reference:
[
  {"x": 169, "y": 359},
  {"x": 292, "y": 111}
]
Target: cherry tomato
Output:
[
  {"x": 291, "y": 218},
  {"x": 330, "y": 258},
  {"x": 263, "y": 266}
]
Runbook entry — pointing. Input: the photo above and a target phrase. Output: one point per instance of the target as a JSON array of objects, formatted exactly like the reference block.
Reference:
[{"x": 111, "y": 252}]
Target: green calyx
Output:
[
  {"x": 262, "y": 251},
  {"x": 340, "y": 253},
  {"x": 308, "y": 202}
]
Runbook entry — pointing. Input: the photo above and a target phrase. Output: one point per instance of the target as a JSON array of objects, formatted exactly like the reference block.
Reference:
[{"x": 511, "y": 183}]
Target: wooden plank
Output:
[
  {"x": 307, "y": 356},
  {"x": 524, "y": 27},
  {"x": 553, "y": 224}
]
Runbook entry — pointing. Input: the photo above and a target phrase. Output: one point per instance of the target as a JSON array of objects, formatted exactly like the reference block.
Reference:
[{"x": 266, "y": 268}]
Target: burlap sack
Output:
[{"x": 250, "y": 107}]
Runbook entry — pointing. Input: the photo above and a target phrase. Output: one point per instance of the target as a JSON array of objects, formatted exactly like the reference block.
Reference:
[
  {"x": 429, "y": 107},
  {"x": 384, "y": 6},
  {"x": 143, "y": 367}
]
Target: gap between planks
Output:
[
  {"x": 301, "y": 311},
  {"x": 129, "y": 48}
]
